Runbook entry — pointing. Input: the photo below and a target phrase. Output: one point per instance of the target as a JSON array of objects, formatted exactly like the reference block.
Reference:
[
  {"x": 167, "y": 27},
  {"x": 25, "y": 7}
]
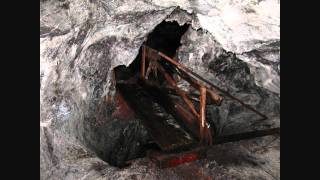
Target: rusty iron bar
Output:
[
  {"x": 204, "y": 129},
  {"x": 211, "y": 86},
  {"x": 202, "y": 112},
  {"x": 203, "y": 105}
]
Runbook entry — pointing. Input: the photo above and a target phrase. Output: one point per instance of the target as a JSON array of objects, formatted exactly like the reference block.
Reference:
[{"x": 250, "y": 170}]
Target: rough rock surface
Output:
[
  {"x": 203, "y": 54},
  {"x": 235, "y": 44}
]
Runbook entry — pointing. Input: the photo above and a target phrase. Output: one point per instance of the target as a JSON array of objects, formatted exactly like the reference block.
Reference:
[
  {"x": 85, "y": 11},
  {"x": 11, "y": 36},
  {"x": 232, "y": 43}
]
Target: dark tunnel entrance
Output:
[{"x": 165, "y": 38}]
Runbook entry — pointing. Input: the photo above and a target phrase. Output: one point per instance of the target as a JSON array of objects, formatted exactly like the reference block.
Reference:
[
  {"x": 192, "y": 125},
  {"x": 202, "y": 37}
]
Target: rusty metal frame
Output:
[{"x": 204, "y": 86}]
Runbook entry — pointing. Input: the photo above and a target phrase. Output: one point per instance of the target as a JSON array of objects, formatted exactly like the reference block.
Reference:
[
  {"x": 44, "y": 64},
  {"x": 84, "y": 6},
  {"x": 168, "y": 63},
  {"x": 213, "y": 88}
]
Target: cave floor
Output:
[{"x": 257, "y": 158}]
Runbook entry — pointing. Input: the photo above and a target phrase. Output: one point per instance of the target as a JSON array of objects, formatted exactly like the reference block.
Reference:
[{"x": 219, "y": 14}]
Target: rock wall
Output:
[
  {"x": 203, "y": 54},
  {"x": 235, "y": 44}
]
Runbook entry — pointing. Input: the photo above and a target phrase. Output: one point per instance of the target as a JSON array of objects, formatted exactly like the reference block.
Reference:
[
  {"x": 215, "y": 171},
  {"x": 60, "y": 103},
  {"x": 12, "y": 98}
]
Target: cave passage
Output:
[{"x": 164, "y": 38}]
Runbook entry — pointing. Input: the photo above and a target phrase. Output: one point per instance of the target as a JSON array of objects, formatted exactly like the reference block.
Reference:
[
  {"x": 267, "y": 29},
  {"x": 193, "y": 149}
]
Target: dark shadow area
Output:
[{"x": 164, "y": 38}]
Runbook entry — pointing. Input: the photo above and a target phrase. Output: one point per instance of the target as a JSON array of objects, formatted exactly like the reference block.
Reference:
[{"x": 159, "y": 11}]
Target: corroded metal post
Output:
[
  {"x": 143, "y": 61},
  {"x": 202, "y": 112}
]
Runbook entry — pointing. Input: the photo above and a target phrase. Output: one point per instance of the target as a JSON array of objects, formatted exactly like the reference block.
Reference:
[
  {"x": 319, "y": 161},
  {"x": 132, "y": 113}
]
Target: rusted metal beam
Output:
[
  {"x": 202, "y": 112},
  {"x": 205, "y": 133}
]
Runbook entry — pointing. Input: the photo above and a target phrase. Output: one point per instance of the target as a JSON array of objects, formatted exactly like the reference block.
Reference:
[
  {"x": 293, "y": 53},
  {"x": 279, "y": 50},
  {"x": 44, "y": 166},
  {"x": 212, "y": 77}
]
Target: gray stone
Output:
[{"x": 234, "y": 44}]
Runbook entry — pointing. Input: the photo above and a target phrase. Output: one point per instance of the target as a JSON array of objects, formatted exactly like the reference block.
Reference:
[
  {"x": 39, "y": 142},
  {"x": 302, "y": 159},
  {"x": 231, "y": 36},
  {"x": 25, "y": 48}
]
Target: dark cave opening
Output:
[{"x": 165, "y": 38}]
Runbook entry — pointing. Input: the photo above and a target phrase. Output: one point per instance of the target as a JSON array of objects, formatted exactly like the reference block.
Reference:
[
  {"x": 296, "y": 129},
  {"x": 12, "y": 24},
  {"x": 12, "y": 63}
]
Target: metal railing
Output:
[{"x": 202, "y": 85}]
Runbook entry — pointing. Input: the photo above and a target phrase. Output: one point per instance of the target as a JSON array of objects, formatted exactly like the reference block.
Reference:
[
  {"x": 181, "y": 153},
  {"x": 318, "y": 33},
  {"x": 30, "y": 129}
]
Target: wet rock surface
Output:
[{"x": 82, "y": 41}]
